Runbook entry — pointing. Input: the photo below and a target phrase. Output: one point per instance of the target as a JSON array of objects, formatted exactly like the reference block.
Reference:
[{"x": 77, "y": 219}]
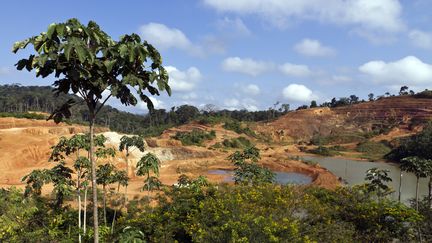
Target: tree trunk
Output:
[
  {"x": 104, "y": 204},
  {"x": 127, "y": 173},
  {"x": 85, "y": 211},
  {"x": 417, "y": 198},
  {"x": 115, "y": 211},
  {"x": 79, "y": 205},
  {"x": 400, "y": 186},
  {"x": 93, "y": 177}
]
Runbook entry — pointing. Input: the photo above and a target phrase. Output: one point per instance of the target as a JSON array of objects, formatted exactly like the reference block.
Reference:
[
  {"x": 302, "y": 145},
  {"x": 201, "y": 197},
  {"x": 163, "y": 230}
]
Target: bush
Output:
[
  {"x": 240, "y": 142},
  {"x": 195, "y": 137},
  {"x": 324, "y": 151},
  {"x": 424, "y": 94},
  {"x": 26, "y": 115},
  {"x": 339, "y": 138},
  {"x": 238, "y": 128}
]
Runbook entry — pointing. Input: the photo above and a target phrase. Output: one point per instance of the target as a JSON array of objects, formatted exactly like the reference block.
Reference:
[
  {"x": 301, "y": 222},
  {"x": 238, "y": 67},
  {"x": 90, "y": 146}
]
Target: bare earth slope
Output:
[
  {"x": 401, "y": 112},
  {"x": 25, "y": 146}
]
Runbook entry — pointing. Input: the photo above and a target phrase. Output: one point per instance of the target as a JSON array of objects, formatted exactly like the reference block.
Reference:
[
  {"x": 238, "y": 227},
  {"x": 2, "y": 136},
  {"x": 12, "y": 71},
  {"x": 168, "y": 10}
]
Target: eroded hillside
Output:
[{"x": 403, "y": 113}]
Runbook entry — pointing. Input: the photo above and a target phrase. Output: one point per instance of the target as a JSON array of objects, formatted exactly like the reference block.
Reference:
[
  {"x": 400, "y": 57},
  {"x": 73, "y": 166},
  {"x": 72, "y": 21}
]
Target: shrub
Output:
[
  {"x": 240, "y": 142},
  {"x": 26, "y": 115},
  {"x": 324, "y": 151},
  {"x": 238, "y": 128},
  {"x": 195, "y": 137}
]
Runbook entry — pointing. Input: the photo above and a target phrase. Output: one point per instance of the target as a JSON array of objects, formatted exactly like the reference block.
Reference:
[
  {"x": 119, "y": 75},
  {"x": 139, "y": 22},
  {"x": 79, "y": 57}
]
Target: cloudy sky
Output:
[{"x": 249, "y": 54}]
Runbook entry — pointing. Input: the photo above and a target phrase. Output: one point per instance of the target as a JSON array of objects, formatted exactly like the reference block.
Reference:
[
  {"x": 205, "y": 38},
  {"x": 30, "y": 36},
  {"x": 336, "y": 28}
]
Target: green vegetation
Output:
[
  {"x": 338, "y": 138},
  {"x": 239, "y": 143},
  {"x": 27, "y": 115},
  {"x": 239, "y": 128},
  {"x": 20, "y": 99},
  {"x": 85, "y": 60},
  {"x": 373, "y": 151},
  {"x": 424, "y": 94},
  {"x": 199, "y": 212},
  {"x": 195, "y": 137},
  {"x": 324, "y": 151},
  {"x": 247, "y": 171},
  {"x": 414, "y": 155}
]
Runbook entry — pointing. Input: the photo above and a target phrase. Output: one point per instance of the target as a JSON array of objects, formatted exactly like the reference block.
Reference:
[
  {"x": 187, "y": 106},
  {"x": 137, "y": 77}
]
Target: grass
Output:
[{"x": 373, "y": 151}]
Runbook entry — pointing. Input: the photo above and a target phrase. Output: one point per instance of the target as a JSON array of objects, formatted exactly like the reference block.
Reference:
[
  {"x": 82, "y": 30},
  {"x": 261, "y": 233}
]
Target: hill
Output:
[{"x": 351, "y": 123}]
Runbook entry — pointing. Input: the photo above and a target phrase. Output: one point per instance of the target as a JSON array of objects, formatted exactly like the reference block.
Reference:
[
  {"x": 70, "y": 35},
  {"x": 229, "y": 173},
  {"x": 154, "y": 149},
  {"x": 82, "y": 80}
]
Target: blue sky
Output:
[{"x": 249, "y": 54}]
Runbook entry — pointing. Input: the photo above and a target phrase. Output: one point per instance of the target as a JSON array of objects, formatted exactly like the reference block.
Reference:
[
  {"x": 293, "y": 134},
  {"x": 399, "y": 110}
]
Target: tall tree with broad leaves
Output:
[
  {"x": 87, "y": 61},
  {"x": 129, "y": 144}
]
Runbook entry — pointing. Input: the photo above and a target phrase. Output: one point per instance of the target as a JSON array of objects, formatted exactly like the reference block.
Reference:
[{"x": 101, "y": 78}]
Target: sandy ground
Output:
[{"x": 25, "y": 146}]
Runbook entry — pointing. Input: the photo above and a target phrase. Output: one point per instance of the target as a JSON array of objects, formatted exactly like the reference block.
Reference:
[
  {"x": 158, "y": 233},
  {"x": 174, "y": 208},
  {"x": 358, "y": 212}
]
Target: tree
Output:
[
  {"x": 285, "y": 107},
  {"x": 403, "y": 90},
  {"x": 105, "y": 177},
  {"x": 419, "y": 167},
  {"x": 354, "y": 99},
  {"x": 88, "y": 62},
  {"x": 313, "y": 104},
  {"x": 127, "y": 143},
  {"x": 377, "y": 181},
  {"x": 416, "y": 146},
  {"x": 121, "y": 178},
  {"x": 66, "y": 147},
  {"x": 149, "y": 163},
  {"x": 371, "y": 97},
  {"x": 247, "y": 171}
]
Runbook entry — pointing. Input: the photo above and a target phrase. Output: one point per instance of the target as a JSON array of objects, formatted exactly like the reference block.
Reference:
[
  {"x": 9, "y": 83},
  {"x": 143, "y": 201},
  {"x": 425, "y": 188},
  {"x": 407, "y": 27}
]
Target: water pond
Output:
[
  {"x": 281, "y": 177},
  {"x": 353, "y": 172}
]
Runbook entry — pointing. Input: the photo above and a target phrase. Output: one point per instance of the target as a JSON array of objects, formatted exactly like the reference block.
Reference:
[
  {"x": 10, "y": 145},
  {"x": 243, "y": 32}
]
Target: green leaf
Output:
[
  {"x": 67, "y": 51},
  {"x": 109, "y": 64},
  {"x": 60, "y": 28},
  {"x": 123, "y": 50},
  {"x": 51, "y": 29},
  {"x": 81, "y": 53}
]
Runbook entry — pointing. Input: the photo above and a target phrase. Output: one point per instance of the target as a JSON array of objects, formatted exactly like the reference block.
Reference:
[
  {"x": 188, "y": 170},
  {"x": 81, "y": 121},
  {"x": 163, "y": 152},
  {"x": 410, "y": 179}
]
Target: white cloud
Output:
[
  {"x": 235, "y": 26},
  {"x": 164, "y": 37},
  {"x": 235, "y": 104},
  {"x": 298, "y": 93},
  {"x": 313, "y": 48},
  {"x": 421, "y": 39},
  {"x": 408, "y": 70},
  {"x": 382, "y": 15},
  {"x": 232, "y": 102},
  {"x": 246, "y": 66},
  {"x": 251, "y": 89},
  {"x": 295, "y": 70},
  {"x": 183, "y": 80}
]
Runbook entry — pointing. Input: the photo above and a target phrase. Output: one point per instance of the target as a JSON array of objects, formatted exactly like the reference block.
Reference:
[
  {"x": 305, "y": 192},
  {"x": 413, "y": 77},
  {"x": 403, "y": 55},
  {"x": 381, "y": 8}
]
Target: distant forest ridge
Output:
[{"x": 16, "y": 99}]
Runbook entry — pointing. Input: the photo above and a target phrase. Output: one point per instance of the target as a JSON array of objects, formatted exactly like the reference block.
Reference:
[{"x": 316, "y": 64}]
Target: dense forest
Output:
[{"x": 20, "y": 99}]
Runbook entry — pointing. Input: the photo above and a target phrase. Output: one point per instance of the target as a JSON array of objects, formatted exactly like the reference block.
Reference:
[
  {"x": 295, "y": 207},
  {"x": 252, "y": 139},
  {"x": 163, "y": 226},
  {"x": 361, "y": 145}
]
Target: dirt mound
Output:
[{"x": 402, "y": 112}]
